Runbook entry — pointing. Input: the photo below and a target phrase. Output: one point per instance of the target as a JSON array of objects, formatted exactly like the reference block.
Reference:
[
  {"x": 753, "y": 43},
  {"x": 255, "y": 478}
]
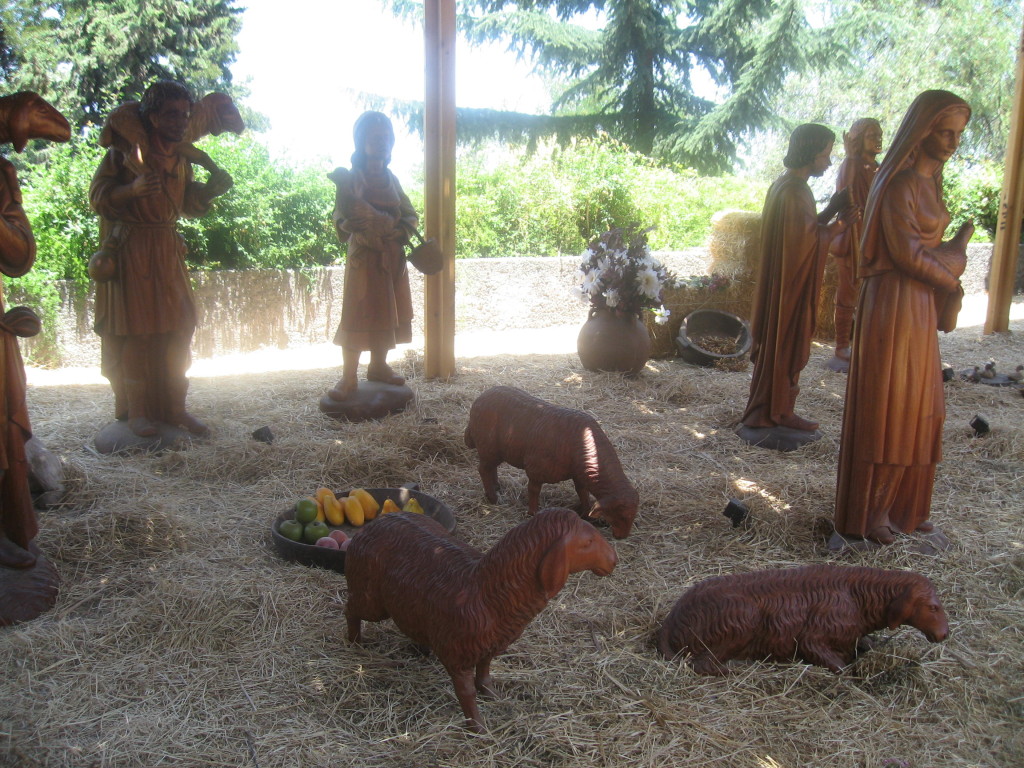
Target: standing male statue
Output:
[{"x": 145, "y": 311}]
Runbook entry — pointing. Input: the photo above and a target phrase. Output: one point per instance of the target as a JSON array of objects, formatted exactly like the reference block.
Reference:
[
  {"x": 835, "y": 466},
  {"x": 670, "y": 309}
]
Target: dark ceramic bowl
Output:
[
  {"x": 704, "y": 330},
  {"x": 334, "y": 559}
]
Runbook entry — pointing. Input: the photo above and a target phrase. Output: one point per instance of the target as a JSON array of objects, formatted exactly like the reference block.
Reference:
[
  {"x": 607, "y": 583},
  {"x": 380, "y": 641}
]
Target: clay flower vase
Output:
[{"x": 613, "y": 341}]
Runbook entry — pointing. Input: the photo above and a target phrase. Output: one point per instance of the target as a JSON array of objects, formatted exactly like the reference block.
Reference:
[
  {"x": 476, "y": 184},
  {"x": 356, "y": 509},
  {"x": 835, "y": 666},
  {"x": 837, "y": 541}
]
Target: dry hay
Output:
[{"x": 180, "y": 638}]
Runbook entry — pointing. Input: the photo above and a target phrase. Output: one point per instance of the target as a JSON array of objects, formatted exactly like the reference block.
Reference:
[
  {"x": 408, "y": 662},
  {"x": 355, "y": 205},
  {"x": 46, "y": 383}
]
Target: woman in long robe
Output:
[
  {"x": 892, "y": 426},
  {"x": 376, "y": 218}
]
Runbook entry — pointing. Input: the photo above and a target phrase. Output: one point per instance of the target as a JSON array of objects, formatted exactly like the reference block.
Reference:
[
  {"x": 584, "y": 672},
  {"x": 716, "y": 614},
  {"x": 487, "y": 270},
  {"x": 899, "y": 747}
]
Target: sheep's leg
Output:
[
  {"x": 533, "y": 494},
  {"x": 355, "y": 629},
  {"x": 489, "y": 477},
  {"x": 466, "y": 693},
  {"x": 584, "y": 494},
  {"x": 823, "y": 657},
  {"x": 484, "y": 682},
  {"x": 706, "y": 664}
]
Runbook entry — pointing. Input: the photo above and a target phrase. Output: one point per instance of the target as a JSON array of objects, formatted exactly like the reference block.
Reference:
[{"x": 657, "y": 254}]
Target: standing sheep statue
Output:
[
  {"x": 466, "y": 606},
  {"x": 552, "y": 444},
  {"x": 817, "y": 614}
]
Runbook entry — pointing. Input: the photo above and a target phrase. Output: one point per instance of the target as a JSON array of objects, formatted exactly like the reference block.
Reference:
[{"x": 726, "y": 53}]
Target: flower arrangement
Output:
[{"x": 619, "y": 273}]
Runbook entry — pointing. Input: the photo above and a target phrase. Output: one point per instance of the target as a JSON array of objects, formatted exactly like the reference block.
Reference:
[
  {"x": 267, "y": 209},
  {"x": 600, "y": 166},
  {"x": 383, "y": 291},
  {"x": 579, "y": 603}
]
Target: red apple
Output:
[{"x": 327, "y": 541}]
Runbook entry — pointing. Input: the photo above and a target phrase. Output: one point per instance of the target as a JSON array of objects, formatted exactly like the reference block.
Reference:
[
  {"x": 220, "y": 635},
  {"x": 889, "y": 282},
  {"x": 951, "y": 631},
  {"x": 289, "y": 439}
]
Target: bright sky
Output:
[{"x": 309, "y": 59}]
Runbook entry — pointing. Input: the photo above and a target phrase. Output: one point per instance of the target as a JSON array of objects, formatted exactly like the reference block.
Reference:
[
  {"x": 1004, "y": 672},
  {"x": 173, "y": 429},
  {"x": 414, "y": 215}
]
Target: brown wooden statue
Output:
[
  {"x": 862, "y": 142},
  {"x": 794, "y": 243},
  {"x": 375, "y": 217},
  {"x": 145, "y": 312},
  {"x": 466, "y": 606},
  {"x": 892, "y": 425},
  {"x": 27, "y": 582},
  {"x": 818, "y": 614}
]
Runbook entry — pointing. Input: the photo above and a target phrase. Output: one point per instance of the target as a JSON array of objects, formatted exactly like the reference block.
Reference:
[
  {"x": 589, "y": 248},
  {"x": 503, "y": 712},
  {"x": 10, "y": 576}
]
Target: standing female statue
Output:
[
  {"x": 892, "y": 426},
  {"x": 376, "y": 218},
  {"x": 794, "y": 244},
  {"x": 862, "y": 143}
]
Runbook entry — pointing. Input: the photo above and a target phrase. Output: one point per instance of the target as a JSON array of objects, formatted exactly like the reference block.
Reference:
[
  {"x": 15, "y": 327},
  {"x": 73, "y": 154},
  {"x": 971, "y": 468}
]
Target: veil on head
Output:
[{"x": 917, "y": 123}]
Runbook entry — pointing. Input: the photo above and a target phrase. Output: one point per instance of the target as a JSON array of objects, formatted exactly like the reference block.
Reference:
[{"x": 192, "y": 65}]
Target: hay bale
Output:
[{"x": 734, "y": 243}]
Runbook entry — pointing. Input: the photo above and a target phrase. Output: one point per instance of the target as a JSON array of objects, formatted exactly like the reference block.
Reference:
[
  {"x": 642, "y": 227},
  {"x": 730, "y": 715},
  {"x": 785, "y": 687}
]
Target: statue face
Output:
[
  {"x": 378, "y": 140},
  {"x": 944, "y": 138},
  {"x": 872, "y": 141},
  {"x": 822, "y": 161},
  {"x": 171, "y": 120}
]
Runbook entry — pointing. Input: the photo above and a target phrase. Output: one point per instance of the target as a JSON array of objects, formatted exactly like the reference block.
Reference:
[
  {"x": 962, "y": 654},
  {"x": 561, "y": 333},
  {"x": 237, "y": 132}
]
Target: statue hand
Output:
[{"x": 145, "y": 184}]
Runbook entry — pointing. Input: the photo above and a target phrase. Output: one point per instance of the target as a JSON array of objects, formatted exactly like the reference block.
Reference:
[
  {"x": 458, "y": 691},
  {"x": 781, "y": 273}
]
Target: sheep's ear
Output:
[
  {"x": 554, "y": 568},
  {"x": 900, "y": 608}
]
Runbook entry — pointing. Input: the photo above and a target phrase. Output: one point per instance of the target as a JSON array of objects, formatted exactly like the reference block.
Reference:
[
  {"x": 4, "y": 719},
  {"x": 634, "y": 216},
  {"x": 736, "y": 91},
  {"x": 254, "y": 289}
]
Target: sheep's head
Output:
[
  {"x": 618, "y": 511},
  {"x": 919, "y": 606},
  {"x": 581, "y": 548}
]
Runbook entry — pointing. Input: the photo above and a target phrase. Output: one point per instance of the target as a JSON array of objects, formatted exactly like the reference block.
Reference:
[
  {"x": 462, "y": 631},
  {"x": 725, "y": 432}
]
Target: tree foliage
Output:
[
  {"x": 87, "y": 56},
  {"x": 680, "y": 80},
  {"x": 898, "y": 48}
]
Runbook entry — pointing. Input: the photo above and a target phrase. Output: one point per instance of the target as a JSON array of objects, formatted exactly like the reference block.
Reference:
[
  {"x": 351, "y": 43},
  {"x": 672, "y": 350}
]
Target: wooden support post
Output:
[
  {"x": 1006, "y": 250},
  {"x": 439, "y": 195}
]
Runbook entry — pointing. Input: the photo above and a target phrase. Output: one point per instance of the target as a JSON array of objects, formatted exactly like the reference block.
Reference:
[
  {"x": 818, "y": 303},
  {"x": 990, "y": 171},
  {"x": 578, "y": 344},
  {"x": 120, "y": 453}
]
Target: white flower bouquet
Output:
[{"x": 619, "y": 273}]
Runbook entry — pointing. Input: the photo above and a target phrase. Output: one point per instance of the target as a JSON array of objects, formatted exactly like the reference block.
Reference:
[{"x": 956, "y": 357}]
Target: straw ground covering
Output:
[{"x": 181, "y": 639}]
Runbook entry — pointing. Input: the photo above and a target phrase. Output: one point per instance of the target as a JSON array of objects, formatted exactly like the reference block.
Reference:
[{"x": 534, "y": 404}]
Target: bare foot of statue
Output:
[
  {"x": 843, "y": 354},
  {"x": 344, "y": 389},
  {"x": 13, "y": 556},
  {"x": 792, "y": 421},
  {"x": 384, "y": 375},
  {"x": 927, "y": 526},
  {"x": 192, "y": 424},
  {"x": 142, "y": 426},
  {"x": 882, "y": 534}
]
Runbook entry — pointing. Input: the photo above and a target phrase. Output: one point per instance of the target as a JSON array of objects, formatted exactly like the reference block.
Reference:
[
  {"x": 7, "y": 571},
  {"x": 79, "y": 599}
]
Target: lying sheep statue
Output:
[
  {"x": 817, "y": 614},
  {"x": 552, "y": 444},
  {"x": 466, "y": 606}
]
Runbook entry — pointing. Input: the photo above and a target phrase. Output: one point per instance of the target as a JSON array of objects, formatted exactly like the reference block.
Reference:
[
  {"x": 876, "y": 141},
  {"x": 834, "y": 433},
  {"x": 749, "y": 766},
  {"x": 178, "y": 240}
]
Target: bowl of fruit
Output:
[{"x": 317, "y": 529}]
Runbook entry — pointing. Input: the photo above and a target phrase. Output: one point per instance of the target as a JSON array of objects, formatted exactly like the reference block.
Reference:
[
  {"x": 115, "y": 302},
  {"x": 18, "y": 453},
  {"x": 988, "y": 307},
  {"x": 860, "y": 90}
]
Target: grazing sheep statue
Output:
[
  {"x": 817, "y": 614},
  {"x": 466, "y": 606},
  {"x": 552, "y": 444}
]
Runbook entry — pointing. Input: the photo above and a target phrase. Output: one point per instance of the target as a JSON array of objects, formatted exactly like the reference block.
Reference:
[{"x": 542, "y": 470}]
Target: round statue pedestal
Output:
[
  {"x": 27, "y": 592},
  {"x": 777, "y": 438},
  {"x": 117, "y": 437},
  {"x": 371, "y": 400}
]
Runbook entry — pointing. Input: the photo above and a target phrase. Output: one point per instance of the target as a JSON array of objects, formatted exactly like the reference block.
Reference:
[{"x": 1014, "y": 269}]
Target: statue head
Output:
[
  {"x": 807, "y": 141},
  {"x": 156, "y": 101},
  {"x": 864, "y": 137},
  {"x": 372, "y": 126}
]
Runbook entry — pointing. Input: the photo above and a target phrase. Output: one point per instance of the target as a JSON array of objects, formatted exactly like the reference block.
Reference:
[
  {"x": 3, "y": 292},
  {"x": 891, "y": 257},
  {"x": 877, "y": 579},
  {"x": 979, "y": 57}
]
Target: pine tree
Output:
[{"x": 87, "y": 56}]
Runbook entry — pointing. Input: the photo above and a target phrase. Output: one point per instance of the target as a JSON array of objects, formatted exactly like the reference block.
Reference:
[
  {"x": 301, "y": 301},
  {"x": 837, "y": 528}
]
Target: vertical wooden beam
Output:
[
  {"x": 1005, "y": 250},
  {"x": 439, "y": 195}
]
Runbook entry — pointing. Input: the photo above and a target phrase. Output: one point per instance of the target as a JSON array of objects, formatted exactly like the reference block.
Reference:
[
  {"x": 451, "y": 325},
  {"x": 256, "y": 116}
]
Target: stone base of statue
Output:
[
  {"x": 117, "y": 437},
  {"x": 371, "y": 400},
  {"x": 839, "y": 364},
  {"x": 930, "y": 543},
  {"x": 777, "y": 438},
  {"x": 27, "y": 592}
]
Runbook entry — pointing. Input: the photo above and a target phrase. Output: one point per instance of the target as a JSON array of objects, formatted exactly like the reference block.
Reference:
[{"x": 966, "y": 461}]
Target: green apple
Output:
[
  {"x": 305, "y": 511},
  {"x": 315, "y": 530},
  {"x": 290, "y": 529}
]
